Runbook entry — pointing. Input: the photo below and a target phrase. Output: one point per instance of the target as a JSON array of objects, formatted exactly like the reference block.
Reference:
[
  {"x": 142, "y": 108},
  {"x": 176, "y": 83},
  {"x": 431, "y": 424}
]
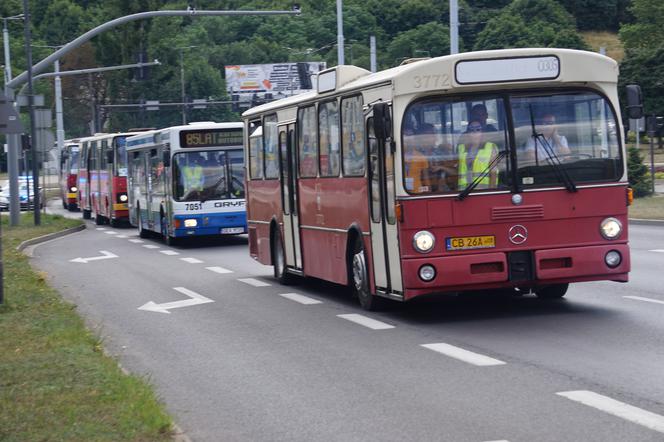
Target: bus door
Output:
[
  {"x": 288, "y": 184},
  {"x": 384, "y": 236}
]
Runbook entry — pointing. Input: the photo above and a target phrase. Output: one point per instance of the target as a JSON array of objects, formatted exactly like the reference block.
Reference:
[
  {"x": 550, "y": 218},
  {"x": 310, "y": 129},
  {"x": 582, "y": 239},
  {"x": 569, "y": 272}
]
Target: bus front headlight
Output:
[
  {"x": 190, "y": 222},
  {"x": 73, "y": 189},
  {"x": 423, "y": 241},
  {"x": 610, "y": 228},
  {"x": 123, "y": 198}
]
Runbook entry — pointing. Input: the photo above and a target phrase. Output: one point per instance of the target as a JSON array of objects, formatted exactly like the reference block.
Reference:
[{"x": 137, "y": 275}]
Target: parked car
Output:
[{"x": 26, "y": 194}]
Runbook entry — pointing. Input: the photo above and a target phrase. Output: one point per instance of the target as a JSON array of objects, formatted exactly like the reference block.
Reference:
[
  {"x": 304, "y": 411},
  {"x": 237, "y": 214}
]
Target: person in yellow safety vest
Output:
[
  {"x": 193, "y": 176},
  {"x": 475, "y": 155}
]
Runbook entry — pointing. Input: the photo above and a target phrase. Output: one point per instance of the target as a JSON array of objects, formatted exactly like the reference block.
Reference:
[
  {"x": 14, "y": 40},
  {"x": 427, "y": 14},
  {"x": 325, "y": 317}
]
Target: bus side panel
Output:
[
  {"x": 264, "y": 204},
  {"x": 104, "y": 193},
  {"x": 333, "y": 204}
]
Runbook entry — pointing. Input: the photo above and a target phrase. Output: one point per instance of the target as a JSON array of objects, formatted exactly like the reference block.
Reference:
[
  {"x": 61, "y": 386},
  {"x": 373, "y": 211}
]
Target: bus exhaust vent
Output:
[{"x": 523, "y": 212}]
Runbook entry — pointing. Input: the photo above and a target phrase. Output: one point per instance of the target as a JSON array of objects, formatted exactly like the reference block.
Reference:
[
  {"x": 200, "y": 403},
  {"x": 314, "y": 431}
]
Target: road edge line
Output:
[
  {"x": 646, "y": 222},
  {"x": 40, "y": 239}
]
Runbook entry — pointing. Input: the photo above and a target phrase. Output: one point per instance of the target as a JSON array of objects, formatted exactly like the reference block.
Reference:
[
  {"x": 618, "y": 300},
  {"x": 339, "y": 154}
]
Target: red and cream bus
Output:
[
  {"x": 485, "y": 170},
  {"x": 103, "y": 180},
  {"x": 69, "y": 159}
]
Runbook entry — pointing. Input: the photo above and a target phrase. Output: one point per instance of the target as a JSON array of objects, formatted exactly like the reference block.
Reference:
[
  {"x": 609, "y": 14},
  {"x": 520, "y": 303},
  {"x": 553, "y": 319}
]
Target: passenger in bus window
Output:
[
  {"x": 418, "y": 144},
  {"x": 193, "y": 176},
  {"x": 480, "y": 113},
  {"x": 475, "y": 154},
  {"x": 558, "y": 143}
]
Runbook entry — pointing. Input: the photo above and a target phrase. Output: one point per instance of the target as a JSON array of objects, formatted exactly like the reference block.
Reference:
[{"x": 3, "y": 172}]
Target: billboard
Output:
[{"x": 279, "y": 80}]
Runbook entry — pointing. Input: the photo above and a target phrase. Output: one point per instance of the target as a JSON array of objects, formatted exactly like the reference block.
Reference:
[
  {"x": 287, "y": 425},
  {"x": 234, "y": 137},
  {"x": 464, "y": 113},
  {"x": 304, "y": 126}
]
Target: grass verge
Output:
[
  {"x": 609, "y": 40},
  {"x": 649, "y": 207},
  {"x": 55, "y": 381}
]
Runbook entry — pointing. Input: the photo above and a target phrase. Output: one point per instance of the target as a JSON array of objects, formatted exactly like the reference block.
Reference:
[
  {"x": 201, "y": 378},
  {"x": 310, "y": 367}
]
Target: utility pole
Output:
[
  {"x": 12, "y": 139},
  {"x": 182, "y": 89},
  {"x": 340, "y": 33},
  {"x": 372, "y": 45},
  {"x": 31, "y": 109},
  {"x": 454, "y": 26}
]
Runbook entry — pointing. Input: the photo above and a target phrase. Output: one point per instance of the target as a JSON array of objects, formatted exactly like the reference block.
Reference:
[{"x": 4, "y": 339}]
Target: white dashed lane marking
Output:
[
  {"x": 300, "y": 298},
  {"x": 169, "y": 252},
  {"x": 639, "y": 298},
  {"x": 191, "y": 260},
  {"x": 122, "y": 236},
  {"x": 151, "y": 246},
  {"x": 136, "y": 241},
  {"x": 657, "y": 250},
  {"x": 619, "y": 409},
  {"x": 366, "y": 322},
  {"x": 101, "y": 228},
  {"x": 110, "y": 232},
  {"x": 463, "y": 355},
  {"x": 254, "y": 282},
  {"x": 219, "y": 270}
]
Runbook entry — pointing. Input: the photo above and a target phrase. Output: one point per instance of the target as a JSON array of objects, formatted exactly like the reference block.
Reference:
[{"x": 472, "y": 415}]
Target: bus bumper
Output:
[
  {"x": 493, "y": 270},
  {"x": 211, "y": 224}
]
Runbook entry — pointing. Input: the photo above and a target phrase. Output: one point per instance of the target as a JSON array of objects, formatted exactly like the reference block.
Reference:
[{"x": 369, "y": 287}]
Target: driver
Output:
[{"x": 549, "y": 130}]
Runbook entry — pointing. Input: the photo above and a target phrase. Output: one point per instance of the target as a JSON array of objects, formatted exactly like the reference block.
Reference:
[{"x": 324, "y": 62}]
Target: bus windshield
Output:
[
  {"x": 208, "y": 175},
  {"x": 449, "y": 145},
  {"x": 73, "y": 161},
  {"x": 120, "y": 156}
]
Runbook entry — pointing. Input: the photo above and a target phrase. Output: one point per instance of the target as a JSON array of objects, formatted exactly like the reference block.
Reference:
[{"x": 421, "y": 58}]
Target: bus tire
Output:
[
  {"x": 142, "y": 233},
  {"x": 279, "y": 260},
  {"x": 99, "y": 220},
  {"x": 168, "y": 239},
  {"x": 87, "y": 214},
  {"x": 555, "y": 291},
  {"x": 72, "y": 207},
  {"x": 359, "y": 279},
  {"x": 64, "y": 205},
  {"x": 115, "y": 222}
]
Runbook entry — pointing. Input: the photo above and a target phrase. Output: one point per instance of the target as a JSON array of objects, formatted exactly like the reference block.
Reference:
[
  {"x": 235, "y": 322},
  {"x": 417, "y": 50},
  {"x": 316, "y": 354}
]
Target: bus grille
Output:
[{"x": 524, "y": 212}]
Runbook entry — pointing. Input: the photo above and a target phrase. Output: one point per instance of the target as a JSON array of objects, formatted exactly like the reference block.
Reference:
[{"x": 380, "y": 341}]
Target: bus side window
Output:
[
  {"x": 328, "y": 129},
  {"x": 374, "y": 177},
  {"x": 270, "y": 147},
  {"x": 307, "y": 143},
  {"x": 353, "y": 147}
]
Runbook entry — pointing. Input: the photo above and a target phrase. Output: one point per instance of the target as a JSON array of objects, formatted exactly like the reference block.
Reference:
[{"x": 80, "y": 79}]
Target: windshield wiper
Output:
[
  {"x": 487, "y": 170},
  {"x": 209, "y": 192},
  {"x": 552, "y": 159}
]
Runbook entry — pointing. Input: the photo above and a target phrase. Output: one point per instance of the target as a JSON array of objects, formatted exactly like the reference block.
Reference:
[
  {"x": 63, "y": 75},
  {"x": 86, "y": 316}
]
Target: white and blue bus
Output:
[{"x": 187, "y": 181}]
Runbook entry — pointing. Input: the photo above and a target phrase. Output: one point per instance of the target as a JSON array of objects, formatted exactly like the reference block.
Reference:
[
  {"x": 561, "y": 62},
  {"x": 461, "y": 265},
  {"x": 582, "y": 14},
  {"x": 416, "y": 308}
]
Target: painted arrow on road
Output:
[
  {"x": 194, "y": 299},
  {"x": 105, "y": 255}
]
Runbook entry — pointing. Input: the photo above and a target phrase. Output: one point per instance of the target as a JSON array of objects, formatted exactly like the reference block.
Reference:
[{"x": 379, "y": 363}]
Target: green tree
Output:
[
  {"x": 530, "y": 23},
  {"x": 645, "y": 68},
  {"x": 638, "y": 175},
  {"x": 430, "y": 39},
  {"x": 648, "y": 30}
]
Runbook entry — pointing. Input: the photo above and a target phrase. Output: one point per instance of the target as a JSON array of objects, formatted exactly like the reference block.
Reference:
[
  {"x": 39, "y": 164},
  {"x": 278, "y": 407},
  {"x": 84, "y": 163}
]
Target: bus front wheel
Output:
[
  {"x": 279, "y": 260},
  {"x": 556, "y": 291},
  {"x": 360, "y": 279},
  {"x": 87, "y": 214}
]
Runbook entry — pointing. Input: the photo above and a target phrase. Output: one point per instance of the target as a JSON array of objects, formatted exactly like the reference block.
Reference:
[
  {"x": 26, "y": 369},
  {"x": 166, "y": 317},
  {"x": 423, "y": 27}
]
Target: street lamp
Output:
[
  {"x": 5, "y": 38},
  {"x": 184, "y": 104}
]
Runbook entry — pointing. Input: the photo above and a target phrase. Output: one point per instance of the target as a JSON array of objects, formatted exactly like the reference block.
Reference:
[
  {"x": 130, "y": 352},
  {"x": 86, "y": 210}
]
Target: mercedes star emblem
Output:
[{"x": 518, "y": 234}]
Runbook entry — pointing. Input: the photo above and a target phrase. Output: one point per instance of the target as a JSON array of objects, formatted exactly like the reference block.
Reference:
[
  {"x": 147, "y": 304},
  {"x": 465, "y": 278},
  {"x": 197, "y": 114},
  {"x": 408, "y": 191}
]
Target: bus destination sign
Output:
[{"x": 211, "y": 138}]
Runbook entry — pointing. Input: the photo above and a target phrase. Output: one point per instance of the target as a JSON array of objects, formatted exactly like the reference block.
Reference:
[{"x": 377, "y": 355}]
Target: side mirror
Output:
[
  {"x": 382, "y": 121},
  {"x": 166, "y": 157},
  {"x": 109, "y": 156},
  {"x": 634, "y": 102}
]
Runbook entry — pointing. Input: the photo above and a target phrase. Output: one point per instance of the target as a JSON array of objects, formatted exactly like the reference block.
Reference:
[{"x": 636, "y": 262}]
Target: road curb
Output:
[
  {"x": 50, "y": 236},
  {"x": 646, "y": 222}
]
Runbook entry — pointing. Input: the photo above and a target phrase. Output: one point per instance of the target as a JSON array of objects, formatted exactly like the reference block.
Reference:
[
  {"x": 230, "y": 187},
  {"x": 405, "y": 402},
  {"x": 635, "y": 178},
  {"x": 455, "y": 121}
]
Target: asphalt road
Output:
[{"x": 251, "y": 361}]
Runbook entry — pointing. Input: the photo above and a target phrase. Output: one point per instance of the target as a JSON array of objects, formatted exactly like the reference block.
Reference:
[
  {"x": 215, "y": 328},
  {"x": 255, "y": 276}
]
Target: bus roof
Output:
[
  {"x": 144, "y": 139},
  {"x": 443, "y": 73}
]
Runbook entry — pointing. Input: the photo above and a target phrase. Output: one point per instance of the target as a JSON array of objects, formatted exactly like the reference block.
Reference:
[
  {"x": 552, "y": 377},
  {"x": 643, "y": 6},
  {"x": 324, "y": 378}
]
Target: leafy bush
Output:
[{"x": 638, "y": 175}]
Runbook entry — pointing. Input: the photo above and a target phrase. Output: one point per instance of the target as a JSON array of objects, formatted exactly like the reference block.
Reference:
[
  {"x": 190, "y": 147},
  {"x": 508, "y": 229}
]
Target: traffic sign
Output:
[{"x": 9, "y": 121}]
